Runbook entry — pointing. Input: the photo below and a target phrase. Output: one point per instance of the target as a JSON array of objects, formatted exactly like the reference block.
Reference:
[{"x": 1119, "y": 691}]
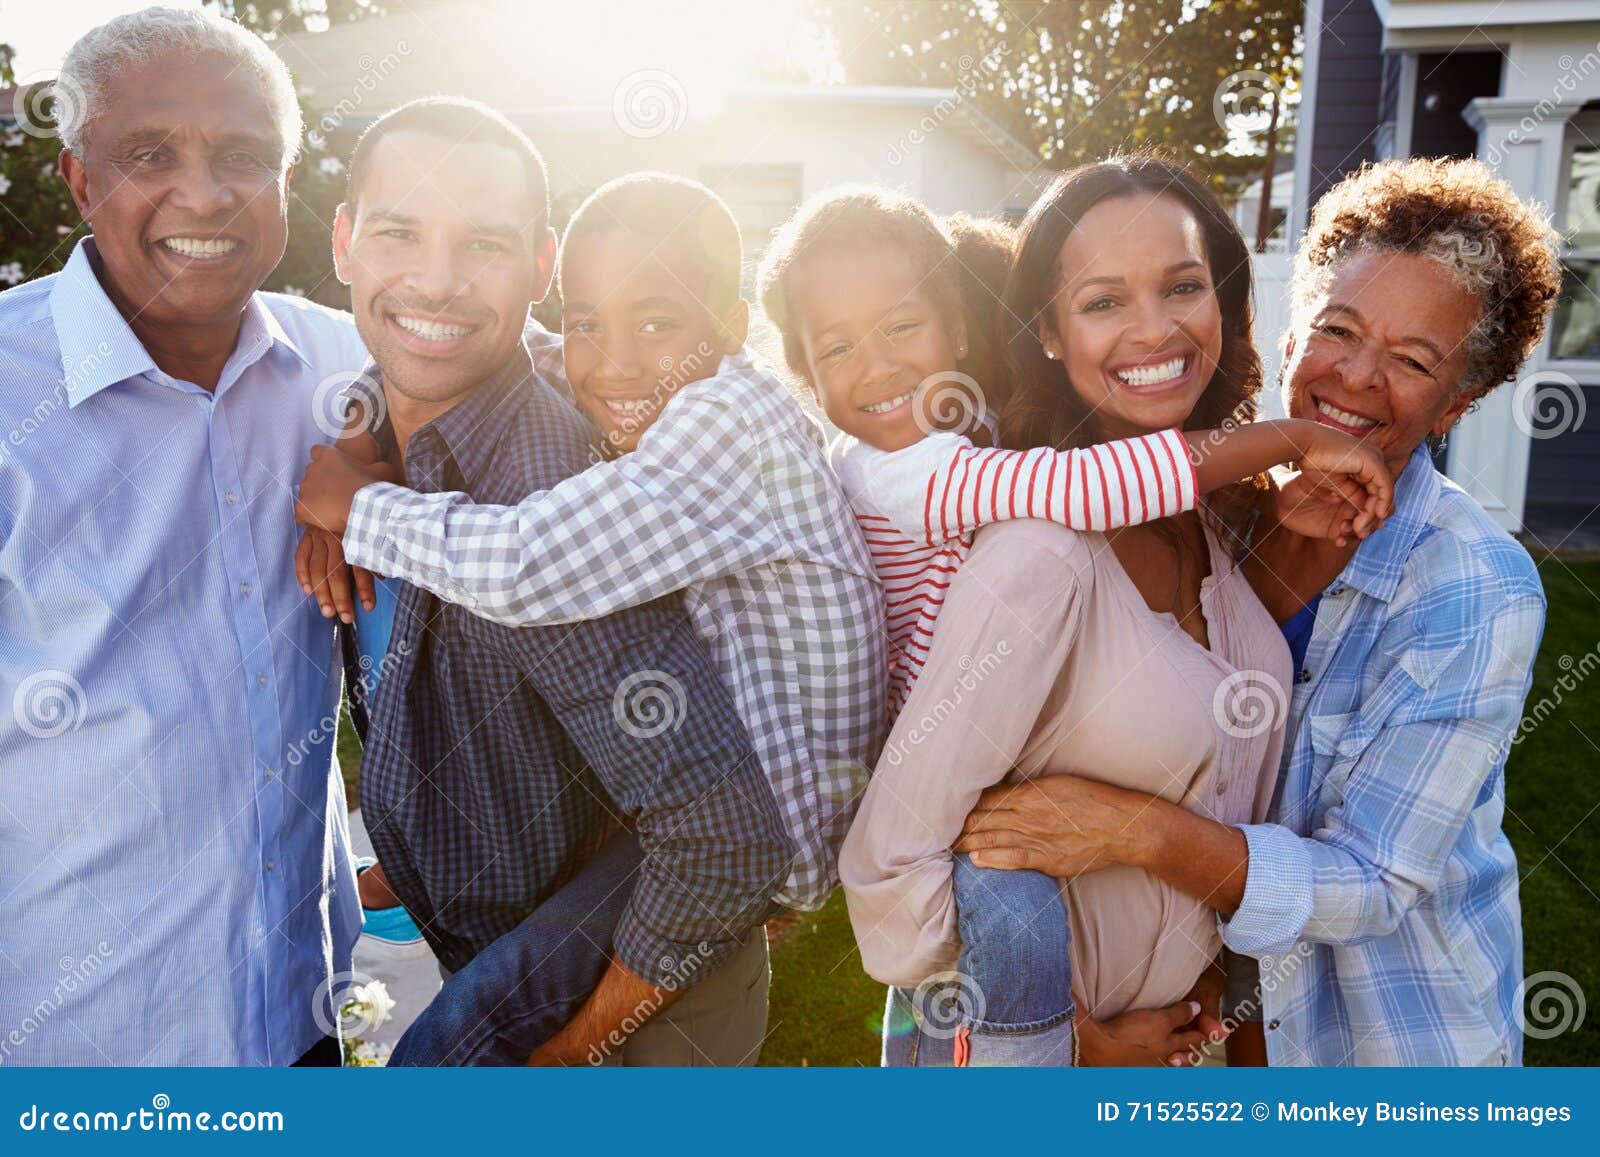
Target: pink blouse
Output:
[{"x": 1047, "y": 660}]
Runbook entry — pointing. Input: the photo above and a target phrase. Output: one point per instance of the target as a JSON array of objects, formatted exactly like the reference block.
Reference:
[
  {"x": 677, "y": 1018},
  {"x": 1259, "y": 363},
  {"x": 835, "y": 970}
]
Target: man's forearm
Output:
[
  {"x": 1208, "y": 860},
  {"x": 619, "y": 1005}
]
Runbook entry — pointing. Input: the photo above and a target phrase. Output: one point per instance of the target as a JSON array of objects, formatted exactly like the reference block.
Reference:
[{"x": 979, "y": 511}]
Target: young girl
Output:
[{"x": 890, "y": 316}]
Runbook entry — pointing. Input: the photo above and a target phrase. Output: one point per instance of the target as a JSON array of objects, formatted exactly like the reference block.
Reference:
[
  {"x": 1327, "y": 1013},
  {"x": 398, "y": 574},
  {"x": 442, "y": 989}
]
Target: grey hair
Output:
[
  {"x": 1475, "y": 263},
  {"x": 138, "y": 37}
]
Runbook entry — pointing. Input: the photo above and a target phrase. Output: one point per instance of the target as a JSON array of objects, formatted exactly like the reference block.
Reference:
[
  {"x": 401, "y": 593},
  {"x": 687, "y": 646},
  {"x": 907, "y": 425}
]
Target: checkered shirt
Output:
[{"x": 729, "y": 498}]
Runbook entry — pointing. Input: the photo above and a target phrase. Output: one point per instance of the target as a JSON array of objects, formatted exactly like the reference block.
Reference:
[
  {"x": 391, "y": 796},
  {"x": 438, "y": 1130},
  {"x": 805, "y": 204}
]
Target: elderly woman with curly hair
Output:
[{"x": 1380, "y": 903}]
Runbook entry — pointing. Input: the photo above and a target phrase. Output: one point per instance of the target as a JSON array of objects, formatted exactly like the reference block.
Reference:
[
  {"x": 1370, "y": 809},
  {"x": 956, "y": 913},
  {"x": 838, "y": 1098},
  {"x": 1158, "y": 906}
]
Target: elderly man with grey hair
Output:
[{"x": 175, "y": 882}]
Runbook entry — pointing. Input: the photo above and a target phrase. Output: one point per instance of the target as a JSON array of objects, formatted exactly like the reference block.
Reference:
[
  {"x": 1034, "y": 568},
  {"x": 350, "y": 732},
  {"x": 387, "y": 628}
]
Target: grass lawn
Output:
[{"x": 826, "y": 1011}]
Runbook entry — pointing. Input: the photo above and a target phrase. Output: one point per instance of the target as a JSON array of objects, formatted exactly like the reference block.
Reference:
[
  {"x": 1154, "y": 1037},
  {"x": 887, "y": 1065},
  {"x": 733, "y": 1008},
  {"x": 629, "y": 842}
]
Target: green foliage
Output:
[{"x": 1080, "y": 79}]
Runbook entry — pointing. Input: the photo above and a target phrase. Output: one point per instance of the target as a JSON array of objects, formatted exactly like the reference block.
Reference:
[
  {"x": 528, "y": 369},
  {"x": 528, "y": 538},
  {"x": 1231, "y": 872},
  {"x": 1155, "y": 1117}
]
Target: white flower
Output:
[
  {"x": 330, "y": 166},
  {"x": 12, "y": 273},
  {"x": 293, "y": 291},
  {"x": 364, "y": 1055},
  {"x": 13, "y": 138},
  {"x": 5, "y": 183},
  {"x": 63, "y": 230},
  {"x": 370, "y": 1003}
]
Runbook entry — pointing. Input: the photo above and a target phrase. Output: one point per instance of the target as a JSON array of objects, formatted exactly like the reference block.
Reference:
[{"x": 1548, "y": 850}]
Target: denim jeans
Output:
[
  {"x": 1009, "y": 1002},
  {"x": 519, "y": 991}
]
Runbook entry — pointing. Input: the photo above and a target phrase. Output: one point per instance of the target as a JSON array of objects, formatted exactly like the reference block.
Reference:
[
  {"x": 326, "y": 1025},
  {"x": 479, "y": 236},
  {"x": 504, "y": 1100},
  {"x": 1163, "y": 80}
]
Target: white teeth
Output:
[
  {"x": 629, "y": 407},
  {"x": 1154, "y": 375},
  {"x": 431, "y": 330},
  {"x": 196, "y": 247},
  {"x": 1345, "y": 417},
  {"x": 886, "y": 406}
]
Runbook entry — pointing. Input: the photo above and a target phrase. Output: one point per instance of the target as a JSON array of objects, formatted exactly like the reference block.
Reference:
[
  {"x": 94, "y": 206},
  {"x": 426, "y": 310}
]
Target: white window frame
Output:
[{"x": 1582, "y": 130}]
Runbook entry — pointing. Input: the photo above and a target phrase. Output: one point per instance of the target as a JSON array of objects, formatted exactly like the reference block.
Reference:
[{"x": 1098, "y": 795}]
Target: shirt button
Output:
[
  {"x": 231, "y": 497},
  {"x": 271, "y": 864},
  {"x": 1274, "y": 1023},
  {"x": 261, "y": 680},
  {"x": 269, "y": 773},
  {"x": 244, "y": 589},
  {"x": 1305, "y": 675},
  {"x": 1222, "y": 786}
]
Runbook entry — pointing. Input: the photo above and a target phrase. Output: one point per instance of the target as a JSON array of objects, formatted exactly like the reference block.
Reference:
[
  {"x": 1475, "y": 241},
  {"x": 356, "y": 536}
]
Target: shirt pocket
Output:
[{"x": 1335, "y": 747}]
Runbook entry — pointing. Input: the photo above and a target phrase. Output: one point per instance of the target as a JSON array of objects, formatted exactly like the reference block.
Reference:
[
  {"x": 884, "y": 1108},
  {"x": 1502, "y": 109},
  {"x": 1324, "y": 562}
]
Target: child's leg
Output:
[
  {"x": 1015, "y": 965},
  {"x": 518, "y": 992}
]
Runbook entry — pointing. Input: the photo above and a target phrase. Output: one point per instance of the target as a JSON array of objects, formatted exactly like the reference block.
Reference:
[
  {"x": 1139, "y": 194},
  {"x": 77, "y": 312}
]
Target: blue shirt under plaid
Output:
[
  {"x": 728, "y": 498},
  {"x": 500, "y": 758},
  {"x": 1382, "y": 903}
]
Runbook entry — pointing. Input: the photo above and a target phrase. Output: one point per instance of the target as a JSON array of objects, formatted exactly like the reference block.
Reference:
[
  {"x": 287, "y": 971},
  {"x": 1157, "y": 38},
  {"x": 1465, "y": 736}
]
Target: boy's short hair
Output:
[
  {"x": 675, "y": 210},
  {"x": 455, "y": 118}
]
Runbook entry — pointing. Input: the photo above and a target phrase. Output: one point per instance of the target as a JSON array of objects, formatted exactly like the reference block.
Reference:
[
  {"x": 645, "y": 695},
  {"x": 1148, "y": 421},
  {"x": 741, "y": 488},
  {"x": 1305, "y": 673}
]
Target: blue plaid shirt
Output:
[
  {"x": 500, "y": 757},
  {"x": 1383, "y": 902}
]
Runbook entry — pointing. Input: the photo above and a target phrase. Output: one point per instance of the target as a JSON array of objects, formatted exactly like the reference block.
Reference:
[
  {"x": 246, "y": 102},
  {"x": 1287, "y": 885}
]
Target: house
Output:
[
  {"x": 600, "y": 108},
  {"x": 1516, "y": 82}
]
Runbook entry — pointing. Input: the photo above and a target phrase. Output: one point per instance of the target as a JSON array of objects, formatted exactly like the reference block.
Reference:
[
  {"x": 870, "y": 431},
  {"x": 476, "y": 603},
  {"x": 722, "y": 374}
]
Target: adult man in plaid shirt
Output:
[{"x": 503, "y": 762}]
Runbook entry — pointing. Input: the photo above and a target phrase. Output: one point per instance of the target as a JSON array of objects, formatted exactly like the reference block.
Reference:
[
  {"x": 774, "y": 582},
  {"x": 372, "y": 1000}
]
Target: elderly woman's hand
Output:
[{"x": 1062, "y": 825}]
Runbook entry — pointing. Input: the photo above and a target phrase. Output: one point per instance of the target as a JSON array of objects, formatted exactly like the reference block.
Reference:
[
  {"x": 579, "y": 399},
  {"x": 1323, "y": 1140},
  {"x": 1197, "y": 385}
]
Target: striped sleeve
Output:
[{"x": 944, "y": 486}]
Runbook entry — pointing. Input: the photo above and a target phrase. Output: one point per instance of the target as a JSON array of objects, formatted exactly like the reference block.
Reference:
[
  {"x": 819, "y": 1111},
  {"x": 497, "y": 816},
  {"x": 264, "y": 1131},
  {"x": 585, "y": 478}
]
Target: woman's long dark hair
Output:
[{"x": 1043, "y": 408}]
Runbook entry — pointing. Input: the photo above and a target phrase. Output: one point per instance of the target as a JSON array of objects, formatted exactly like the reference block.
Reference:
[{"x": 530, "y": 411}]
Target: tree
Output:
[
  {"x": 1079, "y": 80},
  {"x": 39, "y": 224}
]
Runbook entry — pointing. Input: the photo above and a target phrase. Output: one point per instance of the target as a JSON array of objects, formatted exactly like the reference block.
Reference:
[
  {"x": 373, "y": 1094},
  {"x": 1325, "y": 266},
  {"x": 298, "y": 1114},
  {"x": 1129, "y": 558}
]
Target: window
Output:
[{"x": 1576, "y": 331}]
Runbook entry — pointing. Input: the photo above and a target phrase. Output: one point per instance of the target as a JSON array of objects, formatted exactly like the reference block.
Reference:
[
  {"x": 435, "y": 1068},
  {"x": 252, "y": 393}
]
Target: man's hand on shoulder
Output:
[{"x": 329, "y": 487}]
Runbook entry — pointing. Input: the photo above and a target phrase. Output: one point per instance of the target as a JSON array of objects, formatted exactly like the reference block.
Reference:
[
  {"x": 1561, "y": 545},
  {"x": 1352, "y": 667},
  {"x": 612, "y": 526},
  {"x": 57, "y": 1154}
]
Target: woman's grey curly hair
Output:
[{"x": 1458, "y": 214}]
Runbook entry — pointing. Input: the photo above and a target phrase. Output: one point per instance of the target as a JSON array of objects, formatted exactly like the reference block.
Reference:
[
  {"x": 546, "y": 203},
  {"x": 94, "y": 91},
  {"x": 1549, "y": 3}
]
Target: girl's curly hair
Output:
[
  {"x": 964, "y": 261},
  {"x": 1460, "y": 215}
]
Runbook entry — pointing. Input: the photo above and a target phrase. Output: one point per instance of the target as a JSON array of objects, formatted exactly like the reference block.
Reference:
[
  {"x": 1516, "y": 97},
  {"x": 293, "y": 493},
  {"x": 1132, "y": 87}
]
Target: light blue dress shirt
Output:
[{"x": 175, "y": 882}]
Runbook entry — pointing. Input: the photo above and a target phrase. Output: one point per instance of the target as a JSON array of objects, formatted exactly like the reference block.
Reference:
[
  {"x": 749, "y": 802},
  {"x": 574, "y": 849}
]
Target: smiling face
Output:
[
  {"x": 639, "y": 325},
  {"x": 444, "y": 252},
  {"x": 871, "y": 332},
  {"x": 182, "y": 181},
  {"x": 1381, "y": 351},
  {"x": 1135, "y": 318}
]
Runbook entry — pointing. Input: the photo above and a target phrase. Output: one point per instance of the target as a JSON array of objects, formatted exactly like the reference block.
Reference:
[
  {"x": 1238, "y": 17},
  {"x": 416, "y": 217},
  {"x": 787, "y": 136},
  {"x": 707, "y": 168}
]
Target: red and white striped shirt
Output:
[{"x": 919, "y": 507}]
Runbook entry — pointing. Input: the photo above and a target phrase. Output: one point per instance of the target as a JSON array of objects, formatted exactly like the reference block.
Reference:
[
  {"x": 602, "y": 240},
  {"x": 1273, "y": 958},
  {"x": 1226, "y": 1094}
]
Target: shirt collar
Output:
[
  {"x": 1380, "y": 560},
  {"x": 99, "y": 348},
  {"x": 470, "y": 429}
]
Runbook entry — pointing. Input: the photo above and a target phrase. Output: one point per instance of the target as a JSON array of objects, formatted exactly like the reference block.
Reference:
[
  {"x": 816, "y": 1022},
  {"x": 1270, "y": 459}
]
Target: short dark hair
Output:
[
  {"x": 668, "y": 208},
  {"x": 455, "y": 118}
]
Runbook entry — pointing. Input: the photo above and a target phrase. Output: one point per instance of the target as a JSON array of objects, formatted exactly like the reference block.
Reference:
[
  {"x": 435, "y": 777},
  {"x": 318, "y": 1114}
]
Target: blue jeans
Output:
[
  {"x": 518, "y": 992},
  {"x": 1009, "y": 1002}
]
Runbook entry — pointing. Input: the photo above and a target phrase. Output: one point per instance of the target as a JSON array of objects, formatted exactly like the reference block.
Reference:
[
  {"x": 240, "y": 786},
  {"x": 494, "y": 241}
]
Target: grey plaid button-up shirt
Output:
[
  {"x": 499, "y": 759},
  {"x": 729, "y": 498}
]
